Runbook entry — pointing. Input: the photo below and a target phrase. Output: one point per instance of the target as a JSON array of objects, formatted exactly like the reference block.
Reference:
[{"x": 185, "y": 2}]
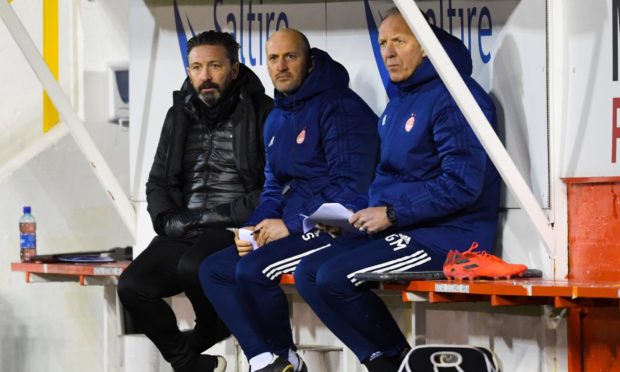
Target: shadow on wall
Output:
[
  {"x": 591, "y": 28},
  {"x": 373, "y": 92},
  {"x": 13, "y": 350},
  {"x": 512, "y": 125}
]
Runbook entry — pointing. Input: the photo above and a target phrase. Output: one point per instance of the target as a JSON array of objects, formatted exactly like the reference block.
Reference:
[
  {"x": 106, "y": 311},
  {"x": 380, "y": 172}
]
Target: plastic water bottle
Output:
[{"x": 27, "y": 236}]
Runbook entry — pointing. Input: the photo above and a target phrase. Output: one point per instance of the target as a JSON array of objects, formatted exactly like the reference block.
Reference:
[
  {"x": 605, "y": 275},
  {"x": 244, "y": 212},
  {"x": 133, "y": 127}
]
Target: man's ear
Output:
[
  {"x": 235, "y": 70},
  {"x": 311, "y": 67}
]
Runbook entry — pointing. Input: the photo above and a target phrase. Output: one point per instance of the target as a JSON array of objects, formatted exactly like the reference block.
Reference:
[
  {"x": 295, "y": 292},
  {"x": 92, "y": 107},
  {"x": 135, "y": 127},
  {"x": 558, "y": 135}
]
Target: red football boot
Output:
[{"x": 471, "y": 265}]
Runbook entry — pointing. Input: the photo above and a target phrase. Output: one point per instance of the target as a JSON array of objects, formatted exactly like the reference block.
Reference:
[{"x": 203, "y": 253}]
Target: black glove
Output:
[{"x": 188, "y": 223}]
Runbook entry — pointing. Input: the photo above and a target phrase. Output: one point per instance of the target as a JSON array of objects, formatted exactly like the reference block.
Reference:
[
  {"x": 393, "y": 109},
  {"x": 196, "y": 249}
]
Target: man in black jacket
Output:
[{"x": 206, "y": 177}]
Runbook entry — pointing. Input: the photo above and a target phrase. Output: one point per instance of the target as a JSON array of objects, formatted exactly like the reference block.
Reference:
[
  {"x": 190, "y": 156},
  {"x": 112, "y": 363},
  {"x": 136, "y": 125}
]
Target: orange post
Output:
[{"x": 594, "y": 255}]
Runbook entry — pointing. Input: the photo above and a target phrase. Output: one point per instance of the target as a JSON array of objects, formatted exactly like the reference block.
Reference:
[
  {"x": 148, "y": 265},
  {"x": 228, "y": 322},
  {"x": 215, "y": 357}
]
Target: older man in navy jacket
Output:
[
  {"x": 434, "y": 190},
  {"x": 321, "y": 146}
]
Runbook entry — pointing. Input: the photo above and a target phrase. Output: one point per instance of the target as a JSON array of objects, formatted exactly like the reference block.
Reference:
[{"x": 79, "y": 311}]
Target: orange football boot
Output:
[{"x": 471, "y": 265}]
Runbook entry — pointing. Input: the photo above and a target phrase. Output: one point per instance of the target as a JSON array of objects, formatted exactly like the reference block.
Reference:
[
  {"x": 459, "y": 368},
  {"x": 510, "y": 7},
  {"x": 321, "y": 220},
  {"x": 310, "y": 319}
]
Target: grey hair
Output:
[{"x": 393, "y": 11}]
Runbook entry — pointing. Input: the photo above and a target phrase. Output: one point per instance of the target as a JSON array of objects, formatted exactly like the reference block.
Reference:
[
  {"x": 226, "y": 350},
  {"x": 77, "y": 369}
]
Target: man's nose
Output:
[
  {"x": 206, "y": 74},
  {"x": 281, "y": 65},
  {"x": 389, "y": 51}
]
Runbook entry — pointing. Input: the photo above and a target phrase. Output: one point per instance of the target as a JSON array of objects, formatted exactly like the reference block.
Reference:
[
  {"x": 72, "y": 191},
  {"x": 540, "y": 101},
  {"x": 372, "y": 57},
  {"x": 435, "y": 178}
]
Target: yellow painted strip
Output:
[{"x": 50, "y": 55}]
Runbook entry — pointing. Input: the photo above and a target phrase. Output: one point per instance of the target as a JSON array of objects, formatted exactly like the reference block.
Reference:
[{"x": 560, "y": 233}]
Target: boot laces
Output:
[{"x": 484, "y": 255}]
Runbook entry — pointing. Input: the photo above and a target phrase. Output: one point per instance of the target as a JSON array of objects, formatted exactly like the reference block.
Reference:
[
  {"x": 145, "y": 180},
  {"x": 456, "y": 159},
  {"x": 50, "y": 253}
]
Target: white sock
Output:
[
  {"x": 293, "y": 358},
  {"x": 262, "y": 360}
]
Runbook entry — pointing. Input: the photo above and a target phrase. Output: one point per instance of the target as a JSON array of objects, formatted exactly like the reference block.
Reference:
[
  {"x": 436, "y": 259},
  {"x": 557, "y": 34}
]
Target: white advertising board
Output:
[
  {"x": 592, "y": 145},
  {"x": 506, "y": 40}
]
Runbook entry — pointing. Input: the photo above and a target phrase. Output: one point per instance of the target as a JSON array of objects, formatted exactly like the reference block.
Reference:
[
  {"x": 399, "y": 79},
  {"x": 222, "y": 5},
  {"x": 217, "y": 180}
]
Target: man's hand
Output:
[
  {"x": 371, "y": 220},
  {"x": 269, "y": 230},
  {"x": 243, "y": 246},
  {"x": 334, "y": 232}
]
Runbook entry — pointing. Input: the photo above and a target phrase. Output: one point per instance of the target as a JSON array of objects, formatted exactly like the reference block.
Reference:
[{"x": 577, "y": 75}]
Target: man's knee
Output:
[
  {"x": 332, "y": 283},
  {"x": 208, "y": 272},
  {"x": 252, "y": 270},
  {"x": 188, "y": 269},
  {"x": 305, "y": 276},
  {"x": 127, "y": 289}
]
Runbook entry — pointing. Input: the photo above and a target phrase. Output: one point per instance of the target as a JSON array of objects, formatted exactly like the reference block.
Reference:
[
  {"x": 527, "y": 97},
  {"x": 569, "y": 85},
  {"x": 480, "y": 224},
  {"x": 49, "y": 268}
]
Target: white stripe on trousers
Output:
[
  {"x": 400, "y": 264},
  {"x": 288, "y": 264},
  {"x": 395, "y": 269}
]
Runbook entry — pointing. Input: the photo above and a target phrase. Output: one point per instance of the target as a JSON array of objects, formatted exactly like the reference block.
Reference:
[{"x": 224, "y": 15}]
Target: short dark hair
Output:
[{"x": 216, "y": 38}]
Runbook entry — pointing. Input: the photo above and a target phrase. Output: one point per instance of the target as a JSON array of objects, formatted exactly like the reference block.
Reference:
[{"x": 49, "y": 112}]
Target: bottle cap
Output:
[{"x": 27, "y": 209}]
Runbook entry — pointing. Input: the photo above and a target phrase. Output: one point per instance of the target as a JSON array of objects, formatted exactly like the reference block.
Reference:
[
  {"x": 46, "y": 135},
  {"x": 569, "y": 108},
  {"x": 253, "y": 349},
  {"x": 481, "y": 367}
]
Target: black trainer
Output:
[
  {"x": 204, "y": 363},
  {"x": 277, "y": 365}
]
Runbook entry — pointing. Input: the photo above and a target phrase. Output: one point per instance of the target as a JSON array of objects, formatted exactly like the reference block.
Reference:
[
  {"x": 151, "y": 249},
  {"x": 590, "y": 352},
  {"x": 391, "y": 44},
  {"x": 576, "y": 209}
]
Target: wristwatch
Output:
[{"x": 391, "y": 214}]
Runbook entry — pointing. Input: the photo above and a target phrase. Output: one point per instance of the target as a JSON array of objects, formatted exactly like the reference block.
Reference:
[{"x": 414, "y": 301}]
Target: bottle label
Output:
[{"x": 27, "y": 241}]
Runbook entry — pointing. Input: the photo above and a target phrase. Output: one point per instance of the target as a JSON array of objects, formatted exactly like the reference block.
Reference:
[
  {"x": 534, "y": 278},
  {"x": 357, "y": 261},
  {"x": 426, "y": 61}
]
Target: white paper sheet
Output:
[
  {"x": 248, "y": 236},
  {"x": 329, "y": 214}
]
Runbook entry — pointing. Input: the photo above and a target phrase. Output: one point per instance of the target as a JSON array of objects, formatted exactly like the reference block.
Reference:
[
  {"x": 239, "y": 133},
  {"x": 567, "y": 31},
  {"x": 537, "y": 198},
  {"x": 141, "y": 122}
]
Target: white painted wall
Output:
[
  {"x": 59, "y": 326},
  {"x": 20, "y": 88},
  {"x": 588, "y": 141}
]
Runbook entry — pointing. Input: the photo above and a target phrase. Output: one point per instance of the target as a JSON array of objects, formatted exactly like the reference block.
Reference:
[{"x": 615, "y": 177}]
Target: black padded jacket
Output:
[{"x": 166, "y": 195}]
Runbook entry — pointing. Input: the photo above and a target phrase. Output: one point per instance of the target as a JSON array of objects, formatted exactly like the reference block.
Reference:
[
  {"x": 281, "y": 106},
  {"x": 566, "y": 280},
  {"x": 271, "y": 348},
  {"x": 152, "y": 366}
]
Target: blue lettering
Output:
[
  {"x": 244, "y": 38},
  {"x": 282, "y": 18},
  {"x": 484, "y": 32},
  {"x": 270, "y": 18},
  {"x": 260, "y": 37},
  {"x": 251, "y": 17},
  {"x": 241, "y": 56},
  {"x": 430, "y": 17},
  {"x": 462, "y": 24},
  {"x": 467, "y": 18},
  {"x": 218, "y": 28},
  {"x": 231, "y": 19},
  {"x": 451, "y": 13},
  {"x": 441, "y": 13},
  {"x": 470, "y": 15}
]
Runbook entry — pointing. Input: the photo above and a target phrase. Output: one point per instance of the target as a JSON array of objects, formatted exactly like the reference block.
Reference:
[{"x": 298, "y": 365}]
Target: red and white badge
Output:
[
  {"x": 409, "y": 123},
  {"x": 301, "y": 137}
]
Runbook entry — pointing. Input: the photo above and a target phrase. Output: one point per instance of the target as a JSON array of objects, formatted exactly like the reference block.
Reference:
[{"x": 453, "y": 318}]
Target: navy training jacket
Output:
[
  {"x": 432, "y": 168},
  {"x": 321, "y": 146}
]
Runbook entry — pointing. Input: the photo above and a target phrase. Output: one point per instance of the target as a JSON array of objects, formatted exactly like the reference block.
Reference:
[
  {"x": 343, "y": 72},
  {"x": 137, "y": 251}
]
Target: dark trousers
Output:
[
  {"x": 166, "y": 268},
  {"x": 246, "y": 291},
  {"x": 347, "y": 306}
]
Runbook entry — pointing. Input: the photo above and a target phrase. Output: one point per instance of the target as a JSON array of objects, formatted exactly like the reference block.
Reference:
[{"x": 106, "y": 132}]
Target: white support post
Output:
[
  {"x": 557, "y": 59},
  {"x": 479, "y": 123},
  {"x": 70, "y": 118}
]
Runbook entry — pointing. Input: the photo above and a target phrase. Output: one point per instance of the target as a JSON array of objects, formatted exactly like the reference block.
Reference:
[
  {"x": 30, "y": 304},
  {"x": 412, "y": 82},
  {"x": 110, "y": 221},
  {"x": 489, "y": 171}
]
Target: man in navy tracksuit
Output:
[
  {"x": 434, "y": 190},
  {"x": 321, "y": 146}
]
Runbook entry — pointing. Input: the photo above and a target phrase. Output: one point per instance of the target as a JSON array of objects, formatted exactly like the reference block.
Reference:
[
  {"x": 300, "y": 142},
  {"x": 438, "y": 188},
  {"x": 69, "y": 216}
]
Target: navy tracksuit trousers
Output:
[{"x": 246, "y": 293}]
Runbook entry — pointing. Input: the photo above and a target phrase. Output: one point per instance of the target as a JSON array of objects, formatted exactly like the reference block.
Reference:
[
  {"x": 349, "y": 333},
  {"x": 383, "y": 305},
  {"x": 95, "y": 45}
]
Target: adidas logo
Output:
[{"x": 406, "y": 238}]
